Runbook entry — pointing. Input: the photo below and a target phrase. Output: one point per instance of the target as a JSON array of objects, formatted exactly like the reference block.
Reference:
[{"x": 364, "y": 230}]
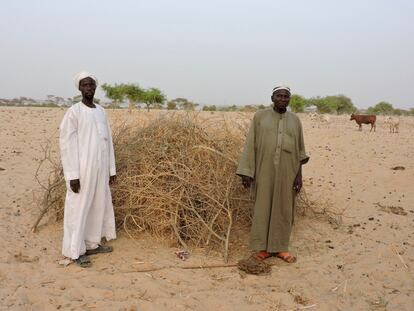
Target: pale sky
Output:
[{"x": 220, "y": 52}]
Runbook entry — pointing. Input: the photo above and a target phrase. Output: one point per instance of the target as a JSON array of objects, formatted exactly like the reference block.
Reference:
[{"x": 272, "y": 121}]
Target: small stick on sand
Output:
[
  {"x": 183, "y": 268},
  {"x": 339, "y": 285},
  {"x": 303, "y": 308},
  {"x": 399, "y": 257}
]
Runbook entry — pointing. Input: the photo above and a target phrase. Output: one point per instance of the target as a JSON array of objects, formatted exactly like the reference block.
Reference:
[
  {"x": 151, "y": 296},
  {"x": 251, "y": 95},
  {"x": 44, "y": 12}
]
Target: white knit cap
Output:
[
  {"x": 281, "y": 86},
  {"x": 82, "y": 75}
]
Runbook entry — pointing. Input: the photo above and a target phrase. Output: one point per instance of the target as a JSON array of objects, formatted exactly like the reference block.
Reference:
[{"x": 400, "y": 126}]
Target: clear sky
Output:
[{"x": 220, "y": 52}]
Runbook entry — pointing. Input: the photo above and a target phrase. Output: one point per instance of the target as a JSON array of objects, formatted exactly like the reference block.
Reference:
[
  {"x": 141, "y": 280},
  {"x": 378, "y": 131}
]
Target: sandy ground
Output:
[{"x": 365, "y": 264}]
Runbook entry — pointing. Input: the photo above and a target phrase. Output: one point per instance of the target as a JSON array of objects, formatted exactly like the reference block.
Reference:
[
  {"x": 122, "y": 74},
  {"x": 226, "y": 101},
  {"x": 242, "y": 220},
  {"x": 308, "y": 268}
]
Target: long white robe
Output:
[{"x": 87, "y": 154}]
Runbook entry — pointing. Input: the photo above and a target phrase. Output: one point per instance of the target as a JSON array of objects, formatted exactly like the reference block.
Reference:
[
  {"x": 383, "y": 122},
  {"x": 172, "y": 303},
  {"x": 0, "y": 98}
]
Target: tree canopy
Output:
[
  {"x": 132, "y": 92},
  {"x": 339, "y": 104},
  {"x": 297, "y": 103},
  {"x": 154, "y": 98},
  {"x": 183, "y": 103},
  {"x": 114, "y": 93},
  {"x": 382, "y": 108},
  {"x": 210, "y": 108}
]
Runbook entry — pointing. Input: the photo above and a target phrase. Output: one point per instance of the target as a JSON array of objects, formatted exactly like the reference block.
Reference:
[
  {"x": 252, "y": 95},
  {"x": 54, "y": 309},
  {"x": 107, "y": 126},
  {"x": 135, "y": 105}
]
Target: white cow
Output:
[
  {"x": 313, "y": 116},
  {"x": 324, "y": 118},
  {"x": 320, "y": 118},
  {"x": 393, "y": 123}
]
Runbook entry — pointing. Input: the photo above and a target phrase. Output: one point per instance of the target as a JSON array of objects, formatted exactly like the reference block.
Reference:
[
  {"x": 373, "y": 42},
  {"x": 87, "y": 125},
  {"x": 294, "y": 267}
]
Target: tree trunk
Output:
[{"x": 130, "y": 104}]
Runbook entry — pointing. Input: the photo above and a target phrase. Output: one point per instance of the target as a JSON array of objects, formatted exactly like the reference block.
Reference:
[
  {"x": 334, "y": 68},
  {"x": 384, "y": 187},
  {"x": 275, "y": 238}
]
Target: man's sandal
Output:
[
  {"x": 83, "y": 261},
  {"x": 286, "y": 258},
  {"x": 99, "y": 250},
  {"x": 260, "y": 256}
]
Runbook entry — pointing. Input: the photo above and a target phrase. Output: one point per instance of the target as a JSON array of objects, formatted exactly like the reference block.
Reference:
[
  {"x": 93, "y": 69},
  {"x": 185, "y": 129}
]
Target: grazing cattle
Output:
[
  {"x": 313, "y": 116},
  {"x": 393, "y": 123},
  {"x": 324, "y": 118},
  {"x": 319, "y": 119},
  {"x": 364, "y": 119}
]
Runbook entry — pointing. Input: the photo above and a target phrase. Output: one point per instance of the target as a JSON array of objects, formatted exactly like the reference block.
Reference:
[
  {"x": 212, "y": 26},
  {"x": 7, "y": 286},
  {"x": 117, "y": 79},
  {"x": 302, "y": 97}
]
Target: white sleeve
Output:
[{"x": 68, "y": 142}]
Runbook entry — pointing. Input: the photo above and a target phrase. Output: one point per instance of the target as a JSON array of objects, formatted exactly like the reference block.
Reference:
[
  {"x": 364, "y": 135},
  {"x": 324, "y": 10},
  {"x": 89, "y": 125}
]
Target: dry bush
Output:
[
  {"x": 320, "y": 208},
  {"x": 177, "y": 176}
]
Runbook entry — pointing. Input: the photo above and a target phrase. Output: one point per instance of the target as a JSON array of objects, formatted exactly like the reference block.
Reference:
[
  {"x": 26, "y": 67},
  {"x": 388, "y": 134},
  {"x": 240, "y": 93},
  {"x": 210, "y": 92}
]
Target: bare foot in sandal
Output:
[
  {"x": 286, "y": 257},
  {"x": 99, "y": 250},
  {"x": 262, "y": 255},
  {"x": 83, "y": 261}
]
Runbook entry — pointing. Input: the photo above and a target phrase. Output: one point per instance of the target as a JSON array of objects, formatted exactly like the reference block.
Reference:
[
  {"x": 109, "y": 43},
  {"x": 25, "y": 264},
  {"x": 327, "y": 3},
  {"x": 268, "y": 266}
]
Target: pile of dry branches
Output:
[{"x": 177, "y": 176}]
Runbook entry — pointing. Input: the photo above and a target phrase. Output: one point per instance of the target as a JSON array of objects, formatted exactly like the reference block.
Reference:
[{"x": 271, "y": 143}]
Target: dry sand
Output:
[{"x": 365, "y": 264}]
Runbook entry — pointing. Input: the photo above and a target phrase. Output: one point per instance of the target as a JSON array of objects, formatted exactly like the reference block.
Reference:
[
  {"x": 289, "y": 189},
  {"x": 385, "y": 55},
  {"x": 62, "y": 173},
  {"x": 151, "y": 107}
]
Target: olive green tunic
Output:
[{"x": 272, "y": 154}]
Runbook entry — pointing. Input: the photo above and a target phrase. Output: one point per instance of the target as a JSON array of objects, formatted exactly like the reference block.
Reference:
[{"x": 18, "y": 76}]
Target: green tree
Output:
[
  {"x": 382, "y": 108},
  {"x": 249, "y": 108},
  {"x": 344, "y": 105},
  {"x": 401, "y": 112},
  {"x": 184, "y": 103},
  {"x": 171, "y": 105},
  {"x": 297, "y": 103},
  {"x": 133, "y": 93},
  {"x": 209, "y": 108},
  {"x": 153, "y": 97},
  {"x": 228, "y": 108},
  {"x": 114, "y": 93},
  {"x": 323, "y": 105},
  {"x": 333, "y": 104}
]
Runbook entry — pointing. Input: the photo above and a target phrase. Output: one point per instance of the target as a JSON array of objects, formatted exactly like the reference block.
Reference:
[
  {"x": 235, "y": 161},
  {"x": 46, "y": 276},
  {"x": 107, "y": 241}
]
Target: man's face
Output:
[
  {"x": 87, "y": 87},
  {"x": 281, "y": 99}
]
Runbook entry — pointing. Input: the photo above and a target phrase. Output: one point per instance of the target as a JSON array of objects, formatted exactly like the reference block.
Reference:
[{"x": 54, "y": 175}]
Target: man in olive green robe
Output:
[{"x": 273, "y": 155}]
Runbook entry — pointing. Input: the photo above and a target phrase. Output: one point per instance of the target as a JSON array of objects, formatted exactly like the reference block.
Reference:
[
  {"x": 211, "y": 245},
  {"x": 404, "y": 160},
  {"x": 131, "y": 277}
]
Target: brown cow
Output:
[{"x": 365, "y": 119}]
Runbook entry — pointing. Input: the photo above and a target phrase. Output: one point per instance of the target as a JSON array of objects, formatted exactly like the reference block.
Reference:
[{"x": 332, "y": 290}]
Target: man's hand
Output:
[
  {"x": 246, "y": 181},
  {"x": 112, "y": 179},
  {"x": 297, "y": 183},
  {"x": 75, "y": 185}
]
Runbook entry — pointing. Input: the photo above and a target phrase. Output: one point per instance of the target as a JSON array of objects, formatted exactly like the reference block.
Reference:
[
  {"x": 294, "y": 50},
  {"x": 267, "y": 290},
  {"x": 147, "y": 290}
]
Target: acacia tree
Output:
[
  {"x": 210, "y": 108},
  {"x": 333, "y": 104},
  {"x": 344, "y": 104},
  {"x": 118, "y": 93},
  {"x": 171, "y": 105},
  {"x": 184, "y": 103},
  {"x": 297, "y": 103},
  {"x": 153, "y": 97},
  {"x": 381, "y": 108},
  {"x": 134, "y": 93},
  {"x": 114, "y": 93}
]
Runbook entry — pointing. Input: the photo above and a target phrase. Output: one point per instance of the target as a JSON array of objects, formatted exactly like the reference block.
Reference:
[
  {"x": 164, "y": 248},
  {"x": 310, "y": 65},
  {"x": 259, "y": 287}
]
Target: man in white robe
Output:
[{"x": 88, "y": 162}]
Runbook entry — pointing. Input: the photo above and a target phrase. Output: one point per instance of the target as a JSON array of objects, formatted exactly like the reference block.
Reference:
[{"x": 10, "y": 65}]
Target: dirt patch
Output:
[{"x": 397, "y": 210}]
